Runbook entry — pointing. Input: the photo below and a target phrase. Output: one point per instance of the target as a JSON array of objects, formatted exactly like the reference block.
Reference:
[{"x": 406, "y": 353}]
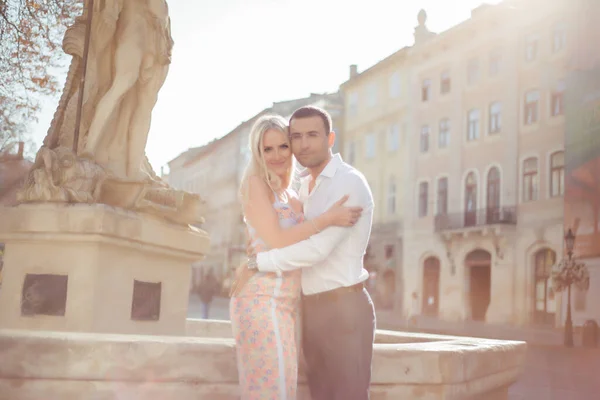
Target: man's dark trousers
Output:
[{"x": 338, "y": 330}]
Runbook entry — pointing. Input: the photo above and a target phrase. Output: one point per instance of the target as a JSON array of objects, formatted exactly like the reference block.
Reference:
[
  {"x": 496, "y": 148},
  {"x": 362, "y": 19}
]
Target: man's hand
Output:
[{"x": 242, "y": 276}]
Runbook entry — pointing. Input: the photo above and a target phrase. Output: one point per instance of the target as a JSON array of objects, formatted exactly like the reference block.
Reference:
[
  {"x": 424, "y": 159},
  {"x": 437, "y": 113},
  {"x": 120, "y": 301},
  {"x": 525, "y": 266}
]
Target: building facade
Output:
[
  {"x": 484, "y": 205},
  {"x": 582, "y": 156},
  {"x": 375, "y": 133}
]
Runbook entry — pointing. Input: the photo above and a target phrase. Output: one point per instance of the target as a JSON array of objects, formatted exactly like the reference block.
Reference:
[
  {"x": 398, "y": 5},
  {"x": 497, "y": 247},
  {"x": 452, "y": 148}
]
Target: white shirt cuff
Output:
[{"x": 265, "y": 263}]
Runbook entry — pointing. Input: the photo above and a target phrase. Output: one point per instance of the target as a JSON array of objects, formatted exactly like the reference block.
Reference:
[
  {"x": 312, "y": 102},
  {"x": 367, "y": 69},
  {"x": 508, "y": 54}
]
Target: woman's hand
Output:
[
  {"x": 340, "y": 215},
  {"x": 242, "y": 276}
]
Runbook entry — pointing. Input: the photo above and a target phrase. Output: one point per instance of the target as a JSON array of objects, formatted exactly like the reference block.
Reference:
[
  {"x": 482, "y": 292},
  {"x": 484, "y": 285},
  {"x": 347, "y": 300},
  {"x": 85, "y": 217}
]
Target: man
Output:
[
  {"x": 209, "y": 286},
  {"x": 338, "y": 315}
]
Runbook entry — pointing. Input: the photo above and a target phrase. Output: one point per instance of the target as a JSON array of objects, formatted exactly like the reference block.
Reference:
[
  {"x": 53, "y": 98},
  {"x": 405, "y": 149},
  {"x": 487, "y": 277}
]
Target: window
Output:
[
  {"x": 493, "y": 195},
  {"x": 473, "y": 71},
  {"x": 442, "y": 196},
  {"x": 473, "y": 125},
  {"x": 531, "y": 108},
  {"x": 495, "y": 63},
  {"x": 557, "y": 101},
  {"x": 353, "y": 104},
  {"x": 471, "y": 200},
  {"x": 559, "y": 37},
  {"x": 370, "y": 142},
  {"x": 389, "y": 251},
  {"x": 372, "y": 95},
  {"x": 393, "y": 138},
  {"x": 426, "y": 90},
  {"x": 423, "y": 198},
  {"x": 395, "y": 85},
  {"x": 557, "y": 174},
  {"x": 444, "y": 134},
  {"x": 445, "y": 83},
  {"x": 351, "y": 153},
  {"x": 392, "y": 196},
  {"x": 495, "y": 117},
  {"x": 531, "y": 48},
  {"x": 530, "y": 179},
  {"x": 424, "y": 142}
]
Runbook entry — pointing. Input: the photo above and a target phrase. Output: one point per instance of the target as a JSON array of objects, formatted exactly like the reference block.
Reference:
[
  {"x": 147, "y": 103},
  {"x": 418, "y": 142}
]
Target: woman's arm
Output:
[{"x": 262, "y": 216}]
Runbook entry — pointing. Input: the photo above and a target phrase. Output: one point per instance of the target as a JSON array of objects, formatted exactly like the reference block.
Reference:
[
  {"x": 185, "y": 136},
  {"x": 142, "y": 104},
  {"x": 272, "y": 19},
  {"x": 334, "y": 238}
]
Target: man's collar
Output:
[
  {"x": 332, "y": 166},
  {"x": 328, "y": 171}
]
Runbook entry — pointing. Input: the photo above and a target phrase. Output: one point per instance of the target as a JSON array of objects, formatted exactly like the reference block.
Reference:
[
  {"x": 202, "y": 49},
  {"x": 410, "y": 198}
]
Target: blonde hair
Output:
[{"x": 257, "y": 165}]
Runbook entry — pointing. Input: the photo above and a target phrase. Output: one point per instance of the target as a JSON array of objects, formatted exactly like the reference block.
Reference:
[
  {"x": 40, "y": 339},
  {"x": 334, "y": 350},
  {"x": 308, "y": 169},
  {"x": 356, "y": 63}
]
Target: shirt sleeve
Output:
[{"x": 319, "y": 246}]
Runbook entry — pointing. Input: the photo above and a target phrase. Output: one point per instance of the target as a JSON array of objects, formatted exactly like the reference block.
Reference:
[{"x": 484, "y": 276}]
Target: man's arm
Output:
[{"x": 319, "y": 246}]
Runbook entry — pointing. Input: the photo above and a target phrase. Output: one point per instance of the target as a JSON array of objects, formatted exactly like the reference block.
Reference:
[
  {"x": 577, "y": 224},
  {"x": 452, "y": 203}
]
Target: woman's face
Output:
[{"x": 277, "y": 152}]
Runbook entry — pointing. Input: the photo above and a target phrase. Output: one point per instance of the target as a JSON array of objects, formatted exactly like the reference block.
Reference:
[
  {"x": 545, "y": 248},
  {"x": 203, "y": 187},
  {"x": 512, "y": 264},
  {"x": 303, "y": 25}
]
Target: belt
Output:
[{"x": 335, "y": 293}]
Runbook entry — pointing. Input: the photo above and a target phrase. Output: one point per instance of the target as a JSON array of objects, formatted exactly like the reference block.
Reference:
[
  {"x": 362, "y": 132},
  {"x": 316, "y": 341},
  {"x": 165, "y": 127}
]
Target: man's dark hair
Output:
[{"x": 312, "y": 111}]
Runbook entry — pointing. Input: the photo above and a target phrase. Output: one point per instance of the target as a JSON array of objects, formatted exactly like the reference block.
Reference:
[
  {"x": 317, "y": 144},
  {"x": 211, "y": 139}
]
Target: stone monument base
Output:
[
  {"x": 406, "y": 366},
  {"x": 95, "y": 268}
]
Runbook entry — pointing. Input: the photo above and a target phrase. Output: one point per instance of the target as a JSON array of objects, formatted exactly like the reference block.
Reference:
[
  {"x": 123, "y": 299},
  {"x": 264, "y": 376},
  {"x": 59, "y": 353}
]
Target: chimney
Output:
[
  {"x": 353, "y": 70},
  {"x": 20, "y": 150}
]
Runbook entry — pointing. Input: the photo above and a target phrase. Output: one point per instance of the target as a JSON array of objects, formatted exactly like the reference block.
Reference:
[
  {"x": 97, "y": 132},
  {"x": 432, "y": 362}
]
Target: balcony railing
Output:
[{"x": 476, "y": 218}]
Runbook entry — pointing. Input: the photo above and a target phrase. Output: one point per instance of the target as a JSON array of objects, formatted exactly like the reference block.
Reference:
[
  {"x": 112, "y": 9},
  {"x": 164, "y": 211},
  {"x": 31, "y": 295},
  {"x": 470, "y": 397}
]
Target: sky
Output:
[{"x": 233, "y": 58}]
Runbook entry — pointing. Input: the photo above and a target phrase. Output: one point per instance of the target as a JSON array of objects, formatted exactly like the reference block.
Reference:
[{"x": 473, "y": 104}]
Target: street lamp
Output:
[{"x": 569, "y": 242}]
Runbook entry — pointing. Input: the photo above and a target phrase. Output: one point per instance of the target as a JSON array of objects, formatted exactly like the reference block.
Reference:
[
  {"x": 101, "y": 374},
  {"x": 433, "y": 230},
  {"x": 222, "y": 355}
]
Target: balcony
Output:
[{"x": 477, "y": 218}]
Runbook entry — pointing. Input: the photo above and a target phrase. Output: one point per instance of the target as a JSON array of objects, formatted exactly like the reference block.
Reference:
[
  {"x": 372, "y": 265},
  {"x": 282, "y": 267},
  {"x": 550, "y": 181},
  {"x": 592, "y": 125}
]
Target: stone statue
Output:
[
  {"x": 141, "y": 61},
  {"x": 128, "y": 60}
]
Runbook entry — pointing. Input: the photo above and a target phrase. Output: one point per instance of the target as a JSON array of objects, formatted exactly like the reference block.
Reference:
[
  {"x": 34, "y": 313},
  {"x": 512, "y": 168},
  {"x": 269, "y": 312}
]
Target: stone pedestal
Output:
[
  {"x": 406, "y": 366},
  {"x": 94, "y": 268}
]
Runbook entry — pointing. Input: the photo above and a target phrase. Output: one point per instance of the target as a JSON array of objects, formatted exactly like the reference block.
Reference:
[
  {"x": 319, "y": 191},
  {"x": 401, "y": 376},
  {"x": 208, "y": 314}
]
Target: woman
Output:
[{"x": 263, "y": 310}]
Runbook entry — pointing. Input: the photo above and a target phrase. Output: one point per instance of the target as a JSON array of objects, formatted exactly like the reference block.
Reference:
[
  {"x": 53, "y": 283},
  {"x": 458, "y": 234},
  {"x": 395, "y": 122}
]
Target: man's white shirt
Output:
[{"x": 332, "y": 258}]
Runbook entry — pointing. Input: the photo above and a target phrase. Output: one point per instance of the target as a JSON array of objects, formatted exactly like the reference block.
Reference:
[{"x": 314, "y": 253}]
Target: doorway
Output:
[
  {"x": 430, "y": 305},
  {"x": 478, "y": 263},
  {"x": 545, "y": 300}
]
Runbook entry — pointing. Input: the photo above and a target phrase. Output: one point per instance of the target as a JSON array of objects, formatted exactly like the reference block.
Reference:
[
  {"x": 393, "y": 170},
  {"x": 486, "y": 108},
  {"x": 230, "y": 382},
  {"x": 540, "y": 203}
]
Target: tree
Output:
[{"x": 31, "y": 33}]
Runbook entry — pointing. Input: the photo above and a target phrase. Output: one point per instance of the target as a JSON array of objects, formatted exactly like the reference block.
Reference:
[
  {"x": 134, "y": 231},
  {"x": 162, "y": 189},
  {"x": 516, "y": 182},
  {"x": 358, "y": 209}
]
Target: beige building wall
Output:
[
  {"x": 375, "y": 137},
  {"x": 198, "y": 173},
  {"x": 492, "y": 84}
]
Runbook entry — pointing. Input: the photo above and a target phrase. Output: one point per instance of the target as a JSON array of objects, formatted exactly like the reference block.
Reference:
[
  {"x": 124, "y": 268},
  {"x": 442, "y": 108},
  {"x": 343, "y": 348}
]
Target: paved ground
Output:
[
  {"x": 557, "y": 373},
  {"x": 552, "y": 372}
]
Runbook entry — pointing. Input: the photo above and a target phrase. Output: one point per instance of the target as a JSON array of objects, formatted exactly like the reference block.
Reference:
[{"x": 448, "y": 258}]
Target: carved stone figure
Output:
[
  {"x": 128, "y": 60},
  {"x": 141, "y": 62},
  {"x": 59, "y": 176}
]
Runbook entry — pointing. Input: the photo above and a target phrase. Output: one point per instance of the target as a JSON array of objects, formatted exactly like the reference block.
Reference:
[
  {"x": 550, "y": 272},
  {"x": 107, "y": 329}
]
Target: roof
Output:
[{"x": 394, "y": 57}]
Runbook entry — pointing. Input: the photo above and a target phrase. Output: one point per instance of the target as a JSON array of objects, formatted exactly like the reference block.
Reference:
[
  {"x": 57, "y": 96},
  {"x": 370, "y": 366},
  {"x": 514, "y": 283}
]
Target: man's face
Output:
[{"x": 310, "y": 141}]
